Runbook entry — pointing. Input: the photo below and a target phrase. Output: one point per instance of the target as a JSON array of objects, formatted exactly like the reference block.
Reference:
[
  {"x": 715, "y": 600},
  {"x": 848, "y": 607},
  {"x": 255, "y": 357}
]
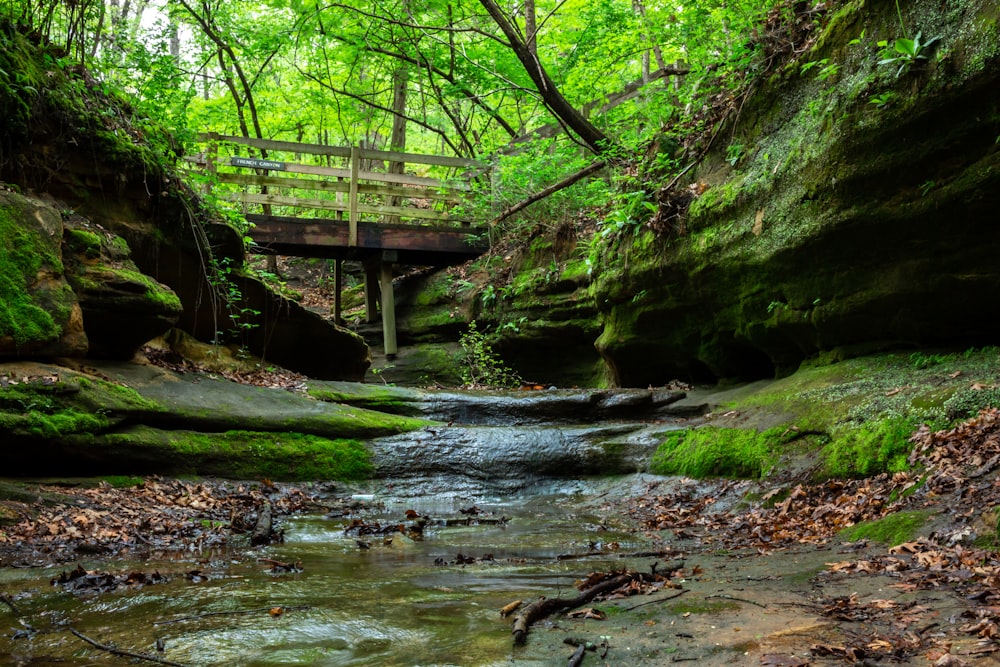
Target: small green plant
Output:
[
  {"x": 481, "y": 365},
  {"x": 734, "y": 153},
  {"x": 882, "y": 100},
  {"x": 921, "y": 360},
  {"x": 926, "y": 187},
  {"x": 906, "y": 52}
]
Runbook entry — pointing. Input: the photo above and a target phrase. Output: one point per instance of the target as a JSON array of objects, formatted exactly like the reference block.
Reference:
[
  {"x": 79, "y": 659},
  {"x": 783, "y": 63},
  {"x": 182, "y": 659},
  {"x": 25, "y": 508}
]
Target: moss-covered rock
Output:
[
  {"x": 65, "y": 136},
  {"x": 39, "y": 312},
  {"x": 847, "y": 225},
  {"x": 128, "y": 419},
  {"x": 122, "y": 307},
  {"x": 852, "y": 418}
]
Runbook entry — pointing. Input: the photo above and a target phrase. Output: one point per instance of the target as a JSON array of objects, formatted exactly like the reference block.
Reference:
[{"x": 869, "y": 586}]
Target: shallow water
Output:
[{"x": 386, "y": 605}]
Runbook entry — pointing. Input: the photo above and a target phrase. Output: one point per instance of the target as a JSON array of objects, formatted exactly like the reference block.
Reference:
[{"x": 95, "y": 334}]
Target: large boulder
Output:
[
  {"x": 39, "y": 312},
  {"x": 69, "y": 288},
  {"x": 122, "y": 307}
]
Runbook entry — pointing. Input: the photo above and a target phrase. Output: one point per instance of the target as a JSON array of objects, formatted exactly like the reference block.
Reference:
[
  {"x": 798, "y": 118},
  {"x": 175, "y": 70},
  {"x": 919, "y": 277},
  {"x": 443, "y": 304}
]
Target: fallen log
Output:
[
  {"x": 577, "y": 658},
  {"x": 543, "y": 607}
]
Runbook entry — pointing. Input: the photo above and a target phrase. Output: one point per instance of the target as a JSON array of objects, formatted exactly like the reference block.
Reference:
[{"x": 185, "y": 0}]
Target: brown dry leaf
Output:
[
  {"x": 588, "y": 612},
  {"x": 276, "y": 611}
]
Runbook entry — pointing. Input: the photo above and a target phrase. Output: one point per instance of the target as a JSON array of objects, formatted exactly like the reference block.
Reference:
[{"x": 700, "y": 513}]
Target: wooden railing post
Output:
[{"x": 352, "y": 199}]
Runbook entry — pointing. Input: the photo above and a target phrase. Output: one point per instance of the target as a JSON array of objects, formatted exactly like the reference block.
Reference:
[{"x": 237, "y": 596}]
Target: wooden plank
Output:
[
  {"x": 339, "y": 186},
  {"x": 388, "y": 309},
  {"x": 272, "y": 145},
  {"x": 332, "y": 205},
  {"x": 445, "y": 241},
  {"x": 399, "y": 179},
  {"x": 353, "y": 198},
  {"x": 341, "y": 151}
]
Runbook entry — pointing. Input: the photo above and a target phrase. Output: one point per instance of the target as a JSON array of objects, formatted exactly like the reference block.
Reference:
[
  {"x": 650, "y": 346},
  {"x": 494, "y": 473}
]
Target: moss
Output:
[
  {"x": 123, "y": 481},
  {"x": 711, "y": 451},
  {"x": 42, "y": 410},
  {"x": 891, "y": 530},
  {"x": 869, "y": 449},
  {"x": 26, "y": 308},
  {"x": 380, "y": 398},
  {"x": 84, "y": 242},
  {"x": 238, "y": 454}
]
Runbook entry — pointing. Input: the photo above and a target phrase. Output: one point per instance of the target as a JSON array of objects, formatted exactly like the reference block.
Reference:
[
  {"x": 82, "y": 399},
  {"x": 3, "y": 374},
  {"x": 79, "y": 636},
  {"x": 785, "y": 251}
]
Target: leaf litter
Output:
[
  {"x": 953, "y": 477},
  {"x": 155, "y": 515}
]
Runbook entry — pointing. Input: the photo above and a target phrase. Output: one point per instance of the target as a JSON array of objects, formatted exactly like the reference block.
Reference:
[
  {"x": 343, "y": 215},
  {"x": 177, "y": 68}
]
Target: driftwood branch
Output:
[
  {"x": 127, "y": 654},
  {"x": 736, "y": 599},
  {"x": 544, "y": 607},
  {"x": 577, "y": 657},
  {"x": 552, "y": 189}
]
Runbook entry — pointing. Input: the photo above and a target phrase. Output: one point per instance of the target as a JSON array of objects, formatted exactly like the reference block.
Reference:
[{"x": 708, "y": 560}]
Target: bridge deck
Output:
[{"x": 412, "y": 244}]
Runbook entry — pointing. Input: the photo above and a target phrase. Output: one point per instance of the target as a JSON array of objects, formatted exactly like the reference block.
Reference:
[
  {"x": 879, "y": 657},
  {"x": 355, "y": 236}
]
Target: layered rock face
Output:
[
  {"x": 851, "y": 206},
  {"x": 860, "y": 213}
]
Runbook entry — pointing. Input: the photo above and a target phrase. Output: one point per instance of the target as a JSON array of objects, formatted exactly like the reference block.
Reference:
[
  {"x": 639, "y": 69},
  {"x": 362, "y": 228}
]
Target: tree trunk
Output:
[{"x": 596, "y": 140}]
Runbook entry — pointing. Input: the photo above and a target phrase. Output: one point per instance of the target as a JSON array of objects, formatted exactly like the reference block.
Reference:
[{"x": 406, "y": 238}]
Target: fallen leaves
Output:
[{"x": 156, "y": 514}]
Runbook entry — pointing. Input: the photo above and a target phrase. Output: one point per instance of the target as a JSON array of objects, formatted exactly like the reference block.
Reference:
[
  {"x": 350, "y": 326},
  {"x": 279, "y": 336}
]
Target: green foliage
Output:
[
  {"x": 712, "y": 451},
  {"x": 969, "y": 401},
  {"x": 890, "y": 530},
  {"x": 906, "y": 52},
  {"x": 873, "y": 448},
  {"x": 224, "y": 277},
  {"x": 481, "y": 365}
]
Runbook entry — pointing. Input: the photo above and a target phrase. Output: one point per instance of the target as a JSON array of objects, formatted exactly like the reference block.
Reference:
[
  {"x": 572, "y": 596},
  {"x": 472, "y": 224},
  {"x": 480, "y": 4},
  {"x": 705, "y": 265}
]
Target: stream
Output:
[{"x": 527, "y": 484}]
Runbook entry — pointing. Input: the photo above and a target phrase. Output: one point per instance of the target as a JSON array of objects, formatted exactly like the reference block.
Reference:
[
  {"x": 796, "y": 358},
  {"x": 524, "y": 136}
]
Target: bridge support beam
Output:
[
  {"x": 388, "y": 309},
  {"x": 338, "y": 286},
  {"x": 371, "y": 292}
]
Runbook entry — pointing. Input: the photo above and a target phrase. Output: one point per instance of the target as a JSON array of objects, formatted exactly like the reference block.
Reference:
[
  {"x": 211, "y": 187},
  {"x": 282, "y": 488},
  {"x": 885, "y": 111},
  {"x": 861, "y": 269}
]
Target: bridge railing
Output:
[{"x": 313, "y": 181}]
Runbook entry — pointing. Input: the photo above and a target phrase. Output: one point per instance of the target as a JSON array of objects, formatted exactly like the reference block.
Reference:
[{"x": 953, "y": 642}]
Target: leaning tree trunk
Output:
[{"x": 596, "y": 140}]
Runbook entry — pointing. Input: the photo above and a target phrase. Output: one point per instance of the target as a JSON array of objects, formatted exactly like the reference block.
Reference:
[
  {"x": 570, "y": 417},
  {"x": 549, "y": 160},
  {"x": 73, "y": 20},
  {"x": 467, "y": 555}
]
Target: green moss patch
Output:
[
  {"x": 237, "y": 454},
  {"x": 27, "y": 308},
  {"x": 892, "y": 530},
  {"x": 712, "y": 451},
  {"x": 872, "y": 448}
]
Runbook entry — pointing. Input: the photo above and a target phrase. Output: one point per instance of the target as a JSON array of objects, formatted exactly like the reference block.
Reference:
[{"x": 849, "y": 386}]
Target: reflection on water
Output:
[{"x": 386, "y": 605}]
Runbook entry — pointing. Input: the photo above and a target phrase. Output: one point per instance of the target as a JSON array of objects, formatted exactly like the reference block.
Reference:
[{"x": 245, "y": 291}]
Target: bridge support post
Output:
[
  {"x": 371, "y": 292},
  {"x": 388, "y": 307},
  {"x": 338, "y": 285}
]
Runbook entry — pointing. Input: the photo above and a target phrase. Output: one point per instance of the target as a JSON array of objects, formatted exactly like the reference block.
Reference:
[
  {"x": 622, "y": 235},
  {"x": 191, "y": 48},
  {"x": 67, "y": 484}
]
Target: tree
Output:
[{"x": 569, "y": 115}]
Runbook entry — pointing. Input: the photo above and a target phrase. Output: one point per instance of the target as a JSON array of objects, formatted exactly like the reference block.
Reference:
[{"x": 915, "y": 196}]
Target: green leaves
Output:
[{"x": 907, "y": 52}]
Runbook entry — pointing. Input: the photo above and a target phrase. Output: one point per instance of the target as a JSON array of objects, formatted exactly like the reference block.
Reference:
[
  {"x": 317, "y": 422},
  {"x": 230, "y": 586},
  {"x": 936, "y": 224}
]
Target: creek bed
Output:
[{"x": 406, "y": 603}]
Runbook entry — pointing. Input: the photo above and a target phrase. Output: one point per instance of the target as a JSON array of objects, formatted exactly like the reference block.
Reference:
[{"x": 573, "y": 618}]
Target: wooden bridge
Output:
[{"x": 348, "y": 203}]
